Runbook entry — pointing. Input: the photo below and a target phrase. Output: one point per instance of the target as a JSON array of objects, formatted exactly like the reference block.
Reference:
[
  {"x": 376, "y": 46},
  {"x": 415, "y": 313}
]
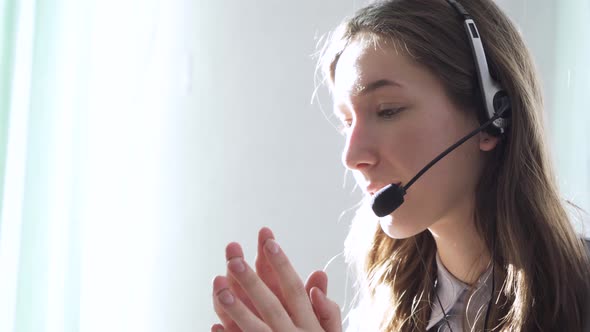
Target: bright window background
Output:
[
  {"x": 137, "y": 138},
  {"x": 570, "y": 112}
]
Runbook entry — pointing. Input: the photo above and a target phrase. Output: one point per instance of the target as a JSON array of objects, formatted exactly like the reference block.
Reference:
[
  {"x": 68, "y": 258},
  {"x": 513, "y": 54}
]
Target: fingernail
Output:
[
  {"x": 225, "y": 297},
  {"x": 272, "y": 246},
  {"x": 236, "y": 264},
  {"x": 217, "y": 328},
  {"x": 322, "y": 295}
]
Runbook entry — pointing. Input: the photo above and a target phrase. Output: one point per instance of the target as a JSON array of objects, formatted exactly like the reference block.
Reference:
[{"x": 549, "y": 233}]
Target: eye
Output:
[
  {"x": 345, "y": 124},
  {"x": 389, "y": 113}
]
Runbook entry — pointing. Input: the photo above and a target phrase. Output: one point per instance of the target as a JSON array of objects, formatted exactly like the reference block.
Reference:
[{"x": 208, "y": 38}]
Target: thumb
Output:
[{"x": 327, "y": 311}]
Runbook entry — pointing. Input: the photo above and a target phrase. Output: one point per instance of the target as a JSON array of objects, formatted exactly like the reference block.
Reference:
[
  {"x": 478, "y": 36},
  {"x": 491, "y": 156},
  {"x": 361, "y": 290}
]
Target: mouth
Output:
[{"x": 373, "y": 189}]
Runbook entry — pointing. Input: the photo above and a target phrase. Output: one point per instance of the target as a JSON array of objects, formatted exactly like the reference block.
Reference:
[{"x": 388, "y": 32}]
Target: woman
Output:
[{"x": 482, "y": 241}]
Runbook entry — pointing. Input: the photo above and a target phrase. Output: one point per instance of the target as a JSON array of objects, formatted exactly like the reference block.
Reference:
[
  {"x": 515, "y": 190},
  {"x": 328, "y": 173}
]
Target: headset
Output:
[
  {"x": 494, "y": 118},
  {"x": 494, "y": 97}
]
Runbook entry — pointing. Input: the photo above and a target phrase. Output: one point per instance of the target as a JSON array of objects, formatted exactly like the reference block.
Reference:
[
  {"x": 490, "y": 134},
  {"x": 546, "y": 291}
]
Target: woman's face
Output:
[{"x": 398, "y": 118}]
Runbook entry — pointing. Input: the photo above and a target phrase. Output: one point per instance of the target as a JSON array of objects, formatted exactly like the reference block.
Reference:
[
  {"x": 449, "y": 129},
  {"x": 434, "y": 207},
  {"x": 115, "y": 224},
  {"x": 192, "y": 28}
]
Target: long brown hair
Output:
[{"x": 541, "y": 264}]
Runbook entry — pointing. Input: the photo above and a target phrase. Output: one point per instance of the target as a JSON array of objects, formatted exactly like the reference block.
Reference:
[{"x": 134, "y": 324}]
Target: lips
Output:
[{"x": 373, "y": 188}]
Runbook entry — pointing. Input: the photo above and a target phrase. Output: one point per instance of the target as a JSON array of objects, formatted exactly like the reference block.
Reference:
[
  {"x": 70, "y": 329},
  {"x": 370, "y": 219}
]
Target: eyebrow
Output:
[{"x": 365, "y": 89}]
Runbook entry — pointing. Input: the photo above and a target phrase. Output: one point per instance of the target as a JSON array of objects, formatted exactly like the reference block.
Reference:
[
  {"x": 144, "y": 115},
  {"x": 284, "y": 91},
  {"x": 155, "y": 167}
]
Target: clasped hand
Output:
[{"x": 272, "y": 298}]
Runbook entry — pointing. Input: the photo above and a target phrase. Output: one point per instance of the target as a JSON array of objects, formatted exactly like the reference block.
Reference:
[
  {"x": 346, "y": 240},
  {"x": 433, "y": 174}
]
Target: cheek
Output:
[
  {"x": 411, "y": 148},
  {"x": 449, "y": 184},
  {"x": 430, "y": 136}
]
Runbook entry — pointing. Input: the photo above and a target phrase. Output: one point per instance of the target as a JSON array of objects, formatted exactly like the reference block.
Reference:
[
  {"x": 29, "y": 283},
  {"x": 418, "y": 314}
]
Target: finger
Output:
[
  {"x": 230, "y": 325},
  {"x": 264, "y": 268},
  {"x": 217, "y": 328},
  {"x": 317, "y": 279},
  {"x": 268, "y": 305},
  {"x": 235, "y": 309},
  {"x": 328, "y": 311},
  {"x": 231, "y": 252},
  {"x": 240, "y": 293},
  {"x": 293, "y": 289}
]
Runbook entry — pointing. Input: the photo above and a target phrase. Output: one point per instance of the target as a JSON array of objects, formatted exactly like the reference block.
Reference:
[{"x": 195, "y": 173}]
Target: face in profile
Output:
[{"x": 397, "y": 117}]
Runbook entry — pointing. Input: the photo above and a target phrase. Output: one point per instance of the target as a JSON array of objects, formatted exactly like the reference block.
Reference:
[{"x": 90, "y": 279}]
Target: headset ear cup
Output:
[
  {"x": 502, "y": 101},
  {"x": 501, "y": 105}
]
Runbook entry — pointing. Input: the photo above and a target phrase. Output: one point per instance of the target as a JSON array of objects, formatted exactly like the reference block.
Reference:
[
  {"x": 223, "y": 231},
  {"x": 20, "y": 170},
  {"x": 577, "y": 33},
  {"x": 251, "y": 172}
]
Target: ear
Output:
[{"x": 487, "y": 142}]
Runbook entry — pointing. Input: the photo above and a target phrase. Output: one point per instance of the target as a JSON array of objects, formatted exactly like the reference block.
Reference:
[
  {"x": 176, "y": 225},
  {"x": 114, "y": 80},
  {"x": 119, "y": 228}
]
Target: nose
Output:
[{"x": 360, "y": 151}]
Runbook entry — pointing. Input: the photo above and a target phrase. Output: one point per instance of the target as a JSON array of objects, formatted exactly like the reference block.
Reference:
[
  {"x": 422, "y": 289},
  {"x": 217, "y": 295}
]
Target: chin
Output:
[{"x": 400, "y": 228}]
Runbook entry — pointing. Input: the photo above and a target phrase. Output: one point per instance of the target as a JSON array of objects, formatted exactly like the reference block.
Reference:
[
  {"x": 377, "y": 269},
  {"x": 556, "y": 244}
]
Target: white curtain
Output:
[
  {"x": 87, "y": 87},
  {"x": 570, "y": 116}
]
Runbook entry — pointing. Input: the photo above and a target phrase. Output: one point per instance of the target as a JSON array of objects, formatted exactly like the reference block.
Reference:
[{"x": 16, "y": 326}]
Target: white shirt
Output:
[{"x": 454, "y": 297}]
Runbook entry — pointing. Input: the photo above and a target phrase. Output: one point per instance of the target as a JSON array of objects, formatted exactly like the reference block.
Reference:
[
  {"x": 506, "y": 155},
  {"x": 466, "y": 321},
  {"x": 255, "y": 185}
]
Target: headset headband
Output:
[{"x": 494, "y": 97}]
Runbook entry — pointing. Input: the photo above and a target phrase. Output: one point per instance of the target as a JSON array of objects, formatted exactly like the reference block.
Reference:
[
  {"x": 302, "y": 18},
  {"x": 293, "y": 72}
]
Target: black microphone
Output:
[{"x": 390, "y": 197}]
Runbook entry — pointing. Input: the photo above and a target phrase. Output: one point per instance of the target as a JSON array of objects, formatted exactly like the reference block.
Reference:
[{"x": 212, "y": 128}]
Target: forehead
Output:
[{"x": 365, "y": 61}]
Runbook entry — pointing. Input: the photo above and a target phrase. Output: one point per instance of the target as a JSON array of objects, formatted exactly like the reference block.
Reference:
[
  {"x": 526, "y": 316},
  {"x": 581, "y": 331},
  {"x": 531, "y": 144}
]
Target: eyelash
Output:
[
  {"x": 391, "y": 111},
  {"x": 386, "y": 114}
]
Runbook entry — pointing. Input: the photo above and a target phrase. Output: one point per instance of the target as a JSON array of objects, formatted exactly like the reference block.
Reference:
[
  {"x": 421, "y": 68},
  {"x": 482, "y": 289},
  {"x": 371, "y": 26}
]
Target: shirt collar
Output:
[{"x": 450, "y": 290}]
